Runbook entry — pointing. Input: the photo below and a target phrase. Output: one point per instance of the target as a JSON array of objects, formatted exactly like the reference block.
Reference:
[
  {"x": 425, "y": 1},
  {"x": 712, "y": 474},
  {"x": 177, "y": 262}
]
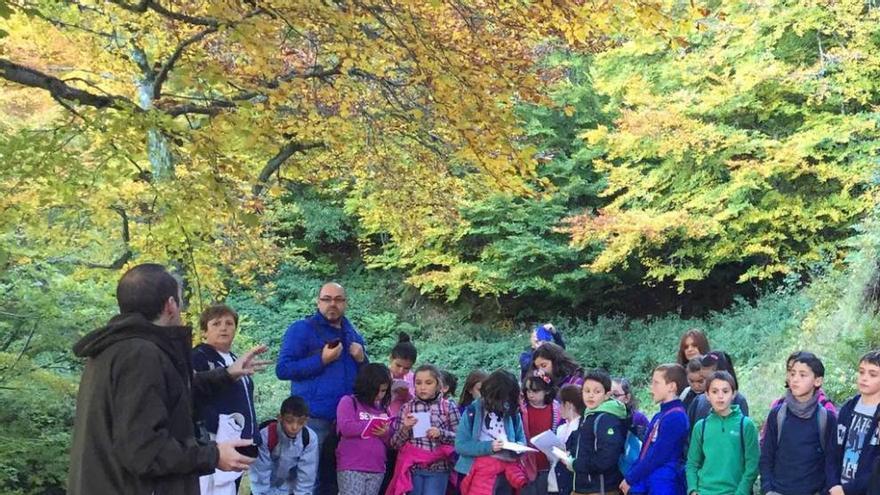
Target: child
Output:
[
  {"x": 709, "y": 364},
  {"x": 692, "y": 344},
  {"x": 557, "y": 364},
  {"x": 403, "y": 357},
  {"x": 793, "y": 457},
  {"x": 659, "y": 469},
  {"x": 571, "y": 409},
  {"x": 855, "y": 449},
  {"x": 540, "y": 334},
  {"x": 820, "y": 394},
  {"x": 723, "y": 454},
  {"x": 287, "y": 462},
  {"x": 601, "y": 438},
  {"x": 486, "y": 424},
  {"x": 622, "y": 391},
  {"x": 450, "y": 385},
  {"x": 696, "y": 382},
  {"x": 423, "y": 462},
  {"x": 539, "y": 414},
  {"x": 471, "y": 390},
  {"x": 363, "y": 423}
]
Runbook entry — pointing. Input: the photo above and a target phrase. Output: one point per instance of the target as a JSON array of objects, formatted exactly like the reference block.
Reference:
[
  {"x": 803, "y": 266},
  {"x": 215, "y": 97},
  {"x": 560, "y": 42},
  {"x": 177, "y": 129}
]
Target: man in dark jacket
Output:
[{"x": 134, "y": 431}]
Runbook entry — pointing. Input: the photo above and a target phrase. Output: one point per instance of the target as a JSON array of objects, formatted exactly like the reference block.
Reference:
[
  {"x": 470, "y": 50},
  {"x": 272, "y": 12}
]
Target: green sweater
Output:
[{"x": 722, "y": 463}]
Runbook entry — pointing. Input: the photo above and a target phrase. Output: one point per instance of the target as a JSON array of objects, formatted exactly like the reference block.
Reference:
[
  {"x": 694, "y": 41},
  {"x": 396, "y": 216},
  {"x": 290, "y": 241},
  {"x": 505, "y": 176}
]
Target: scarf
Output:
[{"x": 803, "y": 410}]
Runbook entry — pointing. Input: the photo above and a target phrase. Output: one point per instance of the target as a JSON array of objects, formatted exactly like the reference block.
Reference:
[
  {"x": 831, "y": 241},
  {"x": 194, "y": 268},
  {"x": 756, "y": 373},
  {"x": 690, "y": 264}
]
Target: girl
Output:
[
  {"x": 723, "y": 454},
  {"x": 539, "y": 413},
  {"x": 557, "y": 364},
  {"x": 471, "y": 390},
  {"x": 363, "y": 423},
  {"x": 571, "y": 409},
  {"x": 403, "y": 357},
  {"x": 622, "y": 391},
  {"x": 486, "y": 425},
  {"x": 710, "y": 363},
  {"x": 423, "y": 460},
  {"x": 692, "y": 344}
]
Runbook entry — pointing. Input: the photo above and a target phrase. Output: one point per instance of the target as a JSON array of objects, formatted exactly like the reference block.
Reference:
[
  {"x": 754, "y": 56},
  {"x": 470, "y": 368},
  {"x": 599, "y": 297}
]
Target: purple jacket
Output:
[{"x": 358, "y": 450}]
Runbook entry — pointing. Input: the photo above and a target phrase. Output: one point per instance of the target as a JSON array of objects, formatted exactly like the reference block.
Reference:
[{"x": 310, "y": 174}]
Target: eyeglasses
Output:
[
  {"x": 328, "y": 299},
  {"x": 618, "y": 395}
]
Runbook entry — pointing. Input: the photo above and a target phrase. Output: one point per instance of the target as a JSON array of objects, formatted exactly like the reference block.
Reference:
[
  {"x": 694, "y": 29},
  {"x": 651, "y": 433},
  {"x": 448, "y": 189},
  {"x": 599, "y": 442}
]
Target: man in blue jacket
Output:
[{"x": 321, "y": 355}]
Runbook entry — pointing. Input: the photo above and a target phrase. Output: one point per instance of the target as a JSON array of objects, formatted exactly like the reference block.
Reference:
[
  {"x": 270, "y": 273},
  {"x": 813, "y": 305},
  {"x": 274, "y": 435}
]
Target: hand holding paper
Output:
[{"x": 423, "y": 424}]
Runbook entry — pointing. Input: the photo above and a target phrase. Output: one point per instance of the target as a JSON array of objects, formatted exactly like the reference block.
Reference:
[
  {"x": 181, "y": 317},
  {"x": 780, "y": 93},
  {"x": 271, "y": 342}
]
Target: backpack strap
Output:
[
  {"x": 742, "y": 440},
  {"x": 822, "y": 419},
  {"x": 305, "y": 436},
  {"x": 780, "y": 419},
  {"x": 272, "y": 433}
]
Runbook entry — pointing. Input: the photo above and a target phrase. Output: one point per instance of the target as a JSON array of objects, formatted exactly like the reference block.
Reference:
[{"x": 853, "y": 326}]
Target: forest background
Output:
[{"x": 466, "y": 169}]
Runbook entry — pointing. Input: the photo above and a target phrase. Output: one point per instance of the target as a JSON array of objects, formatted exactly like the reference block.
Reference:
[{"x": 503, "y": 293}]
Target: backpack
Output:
[
  {"x": 273, "y": 436},
  {"x": 821, "y": 418},
  {"x": 632, "y": 447}
]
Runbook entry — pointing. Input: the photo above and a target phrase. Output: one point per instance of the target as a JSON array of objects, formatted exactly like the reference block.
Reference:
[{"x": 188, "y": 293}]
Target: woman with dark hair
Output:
[
  {"x": 363, "y": 423},
  {"x": 693, "y": 343},
  {"x": 553, "y": 361}
]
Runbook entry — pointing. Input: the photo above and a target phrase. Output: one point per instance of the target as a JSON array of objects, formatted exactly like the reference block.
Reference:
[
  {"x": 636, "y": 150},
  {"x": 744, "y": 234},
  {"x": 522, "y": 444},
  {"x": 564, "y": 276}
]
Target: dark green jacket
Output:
[{"x": 134, "y": 432}]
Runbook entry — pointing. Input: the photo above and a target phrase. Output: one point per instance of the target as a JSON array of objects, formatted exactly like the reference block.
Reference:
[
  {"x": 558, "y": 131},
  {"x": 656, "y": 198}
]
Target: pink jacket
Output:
[
  {"x": 409, "y": 456},
  {"x": 480, "y": 480}
]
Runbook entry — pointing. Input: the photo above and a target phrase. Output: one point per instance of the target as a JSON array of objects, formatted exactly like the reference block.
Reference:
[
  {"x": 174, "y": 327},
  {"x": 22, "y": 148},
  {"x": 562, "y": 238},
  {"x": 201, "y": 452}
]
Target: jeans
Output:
[
  {"x": 429, "y": 482},
  {"x": 325, "y": 483}
]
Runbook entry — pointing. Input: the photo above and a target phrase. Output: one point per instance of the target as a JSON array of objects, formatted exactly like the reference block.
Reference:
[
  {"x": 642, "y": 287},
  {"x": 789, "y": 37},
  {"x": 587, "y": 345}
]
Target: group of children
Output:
[{"x": 402, "y": 432}]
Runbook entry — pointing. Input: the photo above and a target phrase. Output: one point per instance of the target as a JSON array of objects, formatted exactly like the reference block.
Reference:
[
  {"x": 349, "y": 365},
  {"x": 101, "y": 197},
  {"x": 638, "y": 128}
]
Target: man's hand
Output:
[
  {"x": 624, "y": 487},
  {"x": 330, "y": 354},
  {"x": 230, "y": 459},
  {"x": 357, "y": 352},
  {"x": 247, "y": 365}
]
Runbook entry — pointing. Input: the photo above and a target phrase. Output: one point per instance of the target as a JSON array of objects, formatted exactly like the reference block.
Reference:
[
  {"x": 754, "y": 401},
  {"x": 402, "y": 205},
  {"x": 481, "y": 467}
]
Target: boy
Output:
[
  {"x": 600, "y": 439},
  {"x": 288, "y": 455},
  {"x": 855, "y": 447},
  {"x": 659, "y": 469},
  {"x": 793, "y": 458},
  {"x": 696, "y": 382}
]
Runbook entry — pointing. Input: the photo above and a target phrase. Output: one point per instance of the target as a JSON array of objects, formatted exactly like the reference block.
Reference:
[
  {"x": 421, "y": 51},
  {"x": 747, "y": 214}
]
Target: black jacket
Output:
[
  {"x": 134, "y": 432},
  {"x": 238, "y": 398},
  {"x": 599, "y": 447}
]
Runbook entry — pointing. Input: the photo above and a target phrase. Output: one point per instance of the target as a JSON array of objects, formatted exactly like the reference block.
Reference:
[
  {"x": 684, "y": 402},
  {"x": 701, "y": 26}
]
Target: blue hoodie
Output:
[
  {"x": 322, "y": 386},
  {"x": 660, "y": 468}
]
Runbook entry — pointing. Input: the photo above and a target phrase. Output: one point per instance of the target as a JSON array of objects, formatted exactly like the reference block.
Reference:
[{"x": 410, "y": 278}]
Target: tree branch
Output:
[
  {"x": 126, "y": 255},
  {"x": 276, "y": 161},
  {"x": 142, "y": 7},
  {"x": 26, "y": 76},
  {"x": 162, "y": 76}
]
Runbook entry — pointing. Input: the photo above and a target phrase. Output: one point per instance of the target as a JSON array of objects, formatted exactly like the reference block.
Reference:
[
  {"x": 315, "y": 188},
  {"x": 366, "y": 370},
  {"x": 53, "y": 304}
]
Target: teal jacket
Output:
[
  {"x": 723, "y": 455},
  {"x": 467, "y": 438}
]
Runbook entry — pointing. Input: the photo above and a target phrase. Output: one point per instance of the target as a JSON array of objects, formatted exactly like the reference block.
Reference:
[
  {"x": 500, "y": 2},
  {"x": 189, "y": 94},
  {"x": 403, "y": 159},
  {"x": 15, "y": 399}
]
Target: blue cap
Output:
[{"x": 542, "y": 334}]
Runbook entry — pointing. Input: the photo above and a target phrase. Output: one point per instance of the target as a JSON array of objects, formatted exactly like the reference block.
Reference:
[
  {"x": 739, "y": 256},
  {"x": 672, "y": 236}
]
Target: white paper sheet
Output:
[
  {"x": 546, "y": 441},
  {"x": 518, "y": 448},
  {"x": 420, "y": 430}
]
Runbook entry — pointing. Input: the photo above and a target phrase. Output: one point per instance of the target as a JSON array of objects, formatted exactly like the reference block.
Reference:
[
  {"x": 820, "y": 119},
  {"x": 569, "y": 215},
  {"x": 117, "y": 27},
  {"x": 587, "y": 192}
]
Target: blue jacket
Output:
[
  {"x": 660, "y": 468},
  {"x": 597, "y": 454},
  {"x": 859, "y": 485},
  {"x": 322, "y": 386},
  {"x": 797, "y": 465},
  {"x": 467, "y": 437},
  {"x": 237, "y": 397}
]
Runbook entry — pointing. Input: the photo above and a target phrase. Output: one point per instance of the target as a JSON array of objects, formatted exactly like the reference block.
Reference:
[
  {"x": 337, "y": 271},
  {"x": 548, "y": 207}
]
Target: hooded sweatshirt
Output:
[
  {"x": 725, "y": 460},
  {"x": 601, "y": 439},
  {"x": 133, "y": 431}
]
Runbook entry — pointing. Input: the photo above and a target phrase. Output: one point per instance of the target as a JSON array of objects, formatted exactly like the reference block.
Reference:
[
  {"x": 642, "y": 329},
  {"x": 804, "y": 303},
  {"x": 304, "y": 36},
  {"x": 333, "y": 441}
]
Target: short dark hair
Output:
[
  {"x": 599, "y": 376},
  {"x": 694, "y": 366},
  {"x": 145, "y": 289},
  {"x": 723, "y": 376},
  {"x": 404, "y": 349},
  {"x": 675, "y": 373},
  {"x": 871, "y": 357},
  {"x": 216, "y": 311},
  {"x": 500, "y": 393},
  {"x": 536, "y": 382},
  {"x": 573, "y": 394},
  {"x": 369, "y": 380},
  {"x": 719, "y": 361},
  {"x": 812, "y": 361},
  {"x": 449, "y": 380},
  {"x": 295, "y": 406}
]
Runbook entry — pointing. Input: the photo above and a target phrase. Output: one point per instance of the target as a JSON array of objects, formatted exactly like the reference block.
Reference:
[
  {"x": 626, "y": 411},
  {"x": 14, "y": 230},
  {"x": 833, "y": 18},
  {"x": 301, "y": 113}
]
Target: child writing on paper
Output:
[{"x": 362, "y": 420}]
